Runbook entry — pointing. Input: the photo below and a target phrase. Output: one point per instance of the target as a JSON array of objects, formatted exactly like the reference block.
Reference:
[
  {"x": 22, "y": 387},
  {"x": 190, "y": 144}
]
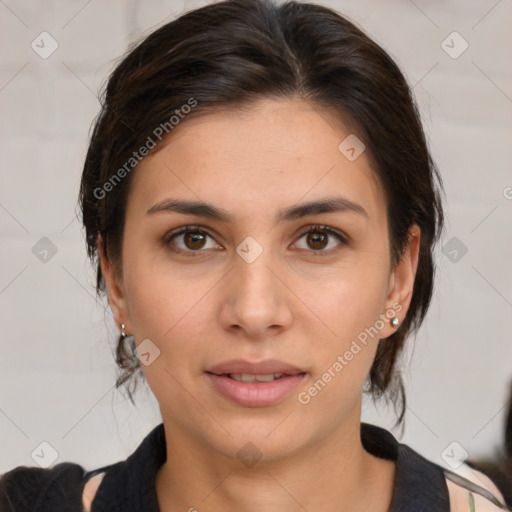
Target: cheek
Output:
[
  {"x": 347, "y": 301},
  {"x": 167, "y": 308},
  {"x": 344, "y": 330}
]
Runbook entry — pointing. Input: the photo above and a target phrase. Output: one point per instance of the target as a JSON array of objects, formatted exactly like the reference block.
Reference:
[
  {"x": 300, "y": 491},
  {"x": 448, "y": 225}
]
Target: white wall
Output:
[{"x": 56, "y": 369}]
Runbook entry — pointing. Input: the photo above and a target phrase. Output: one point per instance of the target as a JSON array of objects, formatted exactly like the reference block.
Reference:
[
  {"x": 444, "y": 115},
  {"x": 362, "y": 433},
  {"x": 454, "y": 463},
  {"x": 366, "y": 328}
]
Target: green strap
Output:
[{"x": 471, "y": 503}]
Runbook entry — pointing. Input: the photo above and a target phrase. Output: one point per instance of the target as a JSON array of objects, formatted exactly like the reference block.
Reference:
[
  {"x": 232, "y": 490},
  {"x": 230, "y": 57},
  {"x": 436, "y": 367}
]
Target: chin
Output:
[{"x": 259, "y": 440}]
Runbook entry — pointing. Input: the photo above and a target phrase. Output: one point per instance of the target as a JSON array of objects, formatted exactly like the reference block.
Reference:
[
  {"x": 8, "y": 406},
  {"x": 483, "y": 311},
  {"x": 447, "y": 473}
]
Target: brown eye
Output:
[
  {"x": 318, "y": 238},
  {"x": 194, "y": 240},
  {"x": 189, "y": 240}
]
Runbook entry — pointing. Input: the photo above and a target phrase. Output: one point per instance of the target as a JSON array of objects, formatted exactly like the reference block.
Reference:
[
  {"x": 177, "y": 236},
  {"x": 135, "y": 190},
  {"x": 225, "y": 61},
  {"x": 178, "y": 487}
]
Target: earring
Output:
[
  {"x": 394, "y": 321},
  {"x": 123, "y": 334}
]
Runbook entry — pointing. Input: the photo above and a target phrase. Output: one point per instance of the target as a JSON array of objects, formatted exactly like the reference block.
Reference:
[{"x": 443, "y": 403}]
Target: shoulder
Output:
[
  {"x": 90, "y": 489},
  {"x": 472, "y": 491},
  {"x": 429, "y": 486},
  {"x": 31, "y": 488}
]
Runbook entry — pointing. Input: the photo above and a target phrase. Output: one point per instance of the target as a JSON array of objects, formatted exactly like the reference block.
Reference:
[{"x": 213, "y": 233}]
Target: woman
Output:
[{"x": 261, "y": 205}]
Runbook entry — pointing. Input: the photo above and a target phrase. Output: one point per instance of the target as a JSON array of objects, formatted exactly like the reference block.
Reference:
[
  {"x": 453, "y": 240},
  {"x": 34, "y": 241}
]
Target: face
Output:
[{"x": 306, "y": 292}]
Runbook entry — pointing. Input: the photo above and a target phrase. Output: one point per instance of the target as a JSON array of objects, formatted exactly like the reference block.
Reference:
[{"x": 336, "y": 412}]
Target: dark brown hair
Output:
[{"x": 232, "y": 53}]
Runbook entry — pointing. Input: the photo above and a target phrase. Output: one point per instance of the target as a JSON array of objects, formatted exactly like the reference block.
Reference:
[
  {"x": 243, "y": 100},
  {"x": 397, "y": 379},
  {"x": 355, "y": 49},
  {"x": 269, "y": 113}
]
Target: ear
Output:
[
  {"x": 401, "y": 282},
  {"x": 115, "y": 292}
]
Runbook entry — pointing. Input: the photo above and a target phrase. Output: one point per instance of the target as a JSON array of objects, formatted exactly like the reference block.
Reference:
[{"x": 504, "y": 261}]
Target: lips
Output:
[
  {"x": 266, "y": 367},
  {"x": 255, "y": 384}
]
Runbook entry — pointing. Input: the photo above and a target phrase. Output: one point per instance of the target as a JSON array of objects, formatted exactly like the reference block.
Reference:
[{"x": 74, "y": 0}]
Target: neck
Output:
[{"x": 334, "y": 473}]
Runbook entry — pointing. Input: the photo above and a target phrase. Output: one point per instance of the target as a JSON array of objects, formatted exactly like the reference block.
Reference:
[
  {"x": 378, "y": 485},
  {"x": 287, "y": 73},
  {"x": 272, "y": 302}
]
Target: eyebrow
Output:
[{"x": 202, "y": 209}]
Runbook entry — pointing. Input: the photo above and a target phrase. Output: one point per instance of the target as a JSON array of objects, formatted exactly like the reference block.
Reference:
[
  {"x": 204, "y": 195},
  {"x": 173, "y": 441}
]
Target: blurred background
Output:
[{"x": 57, "y": 370}]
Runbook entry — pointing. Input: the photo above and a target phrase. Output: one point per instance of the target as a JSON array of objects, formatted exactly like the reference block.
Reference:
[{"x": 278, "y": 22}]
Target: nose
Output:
[{"x": 255, "y": 298}]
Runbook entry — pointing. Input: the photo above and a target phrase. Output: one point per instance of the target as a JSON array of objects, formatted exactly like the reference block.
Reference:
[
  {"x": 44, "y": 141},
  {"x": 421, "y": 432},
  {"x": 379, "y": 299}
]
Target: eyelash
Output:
[{"x": 197, "y": 229}]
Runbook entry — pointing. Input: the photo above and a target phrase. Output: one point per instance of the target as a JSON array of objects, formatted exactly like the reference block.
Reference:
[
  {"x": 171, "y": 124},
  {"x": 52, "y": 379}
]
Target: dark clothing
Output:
[{"x": 129, "y": 485}]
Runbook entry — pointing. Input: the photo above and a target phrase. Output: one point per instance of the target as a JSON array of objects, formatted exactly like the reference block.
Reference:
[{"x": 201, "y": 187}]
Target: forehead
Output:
[{"x": 276, "y": 152}]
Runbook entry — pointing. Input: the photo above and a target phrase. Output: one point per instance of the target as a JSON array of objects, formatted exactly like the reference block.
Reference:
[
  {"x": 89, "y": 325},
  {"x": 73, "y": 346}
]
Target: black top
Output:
[{"x": 129, "y": 485}]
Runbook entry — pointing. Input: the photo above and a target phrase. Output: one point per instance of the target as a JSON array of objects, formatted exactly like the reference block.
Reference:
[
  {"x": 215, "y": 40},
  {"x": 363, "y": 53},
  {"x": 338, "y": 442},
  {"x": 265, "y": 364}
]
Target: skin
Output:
[{"x": 293, "y": 303}]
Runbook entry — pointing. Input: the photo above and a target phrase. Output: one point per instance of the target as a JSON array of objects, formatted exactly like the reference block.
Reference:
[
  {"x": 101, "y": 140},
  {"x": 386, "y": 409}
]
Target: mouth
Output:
[
  {"x": 255, "y": 384},
  {"x": 251, "y": 377},
  {"x": 240, "y": 368}
]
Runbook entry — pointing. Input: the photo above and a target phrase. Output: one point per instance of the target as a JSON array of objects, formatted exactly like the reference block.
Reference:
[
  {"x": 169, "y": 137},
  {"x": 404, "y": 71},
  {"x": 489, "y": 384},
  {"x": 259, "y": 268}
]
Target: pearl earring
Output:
[
  {"x": 394, "y": 321},
  {"x": 123, "y": 334}
]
